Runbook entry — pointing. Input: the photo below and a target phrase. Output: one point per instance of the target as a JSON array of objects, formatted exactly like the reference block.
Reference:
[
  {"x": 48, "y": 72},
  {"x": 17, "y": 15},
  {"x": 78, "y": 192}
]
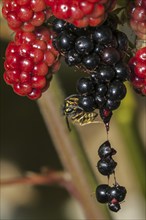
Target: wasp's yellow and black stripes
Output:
[{"x": 75, "y": 113}]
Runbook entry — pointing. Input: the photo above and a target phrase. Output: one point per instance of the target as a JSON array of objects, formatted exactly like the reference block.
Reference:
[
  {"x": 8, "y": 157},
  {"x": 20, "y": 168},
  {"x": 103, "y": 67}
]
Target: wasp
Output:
[{"x": 72, "y": 110}]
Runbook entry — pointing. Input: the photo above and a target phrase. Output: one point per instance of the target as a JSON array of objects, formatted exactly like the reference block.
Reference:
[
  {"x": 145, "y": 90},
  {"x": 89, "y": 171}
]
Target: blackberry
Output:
[
  {"x": 87, "y": 103},
  {"x": 122, "y": 71},
  {"x": 138, "y": 71},
  {"x": 110, "y": 55},
  {"x": 103, "y": 35},
  {"x": 30, "y": 62},
  {"x": 98, "y": 48},
  {"x": 105, "y": 150},
  {"x": 91, "y": 61},
  {"x": 112, "y": 104},
  {"x": 84, "y": 85},
  {"x": 116, "y": 91},
  {"x": 102, "y": 193},
  {"x": 73, "y": 58},
  {"x": 106, "y": 166},
  {"x": 84, "y": 45},
  {"x": 117, "y": 192},
  {"x": 115, "y": 207},
  {"x": 99, "y": 100},
  {"x": 58, "y": 25},
  {"x": 101, "y": 89},
  {"x": 81, "y": 13},
  {"x": 64, "y": 42},
  {"x": 105, "y": 73},
  {"x": 25, "y": 15}
]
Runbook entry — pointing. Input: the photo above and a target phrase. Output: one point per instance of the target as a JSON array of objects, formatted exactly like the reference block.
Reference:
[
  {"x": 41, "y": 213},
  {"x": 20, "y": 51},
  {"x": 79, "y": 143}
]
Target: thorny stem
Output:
[{"x": 70, "y": 151}]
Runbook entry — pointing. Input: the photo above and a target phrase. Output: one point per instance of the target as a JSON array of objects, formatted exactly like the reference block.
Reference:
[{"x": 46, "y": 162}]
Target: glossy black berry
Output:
[
  {"x": 102, "y": 193},
  {"x": 58, "y": 25},
  {"x": 99, "y": 100},
  {"x": 91, "y": 61},
  {"x": 84, "y": 45},
  {"x": 110, "y": 55},
  {"x": 105, "y": 150},
  {"x": 98, "y": 48},
  {"x": 105, "y": 73},
  {"x": 112, "y": 104},
  {"x": 65, "y": 42},
  {"x": 117, "y": 90},
  {"x": 102, "y": 34},
  {"x": 101, "y": 89},
  {"x": 117, "y": 192},
  {"x": 87, "y": 103},
  {"x": 122, "y": 71},
  {"x": 72, "y": 58},
  {"x": 122, "y": 40},
  {"x": 84, "y": 85},
  {"x": 115, "y": 207},
  {"x": 106, "y": 166}
]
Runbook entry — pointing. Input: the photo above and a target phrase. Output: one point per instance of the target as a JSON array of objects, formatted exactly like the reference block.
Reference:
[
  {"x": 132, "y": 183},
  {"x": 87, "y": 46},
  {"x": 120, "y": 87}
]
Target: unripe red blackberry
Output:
[
  {"x": 138, "y": 71},
  {"x": 138, "y": 18},
  {"x": 81, "y": 13},
  {"x": 25, "y": 14},
  {"x": 30, "y": 62}
]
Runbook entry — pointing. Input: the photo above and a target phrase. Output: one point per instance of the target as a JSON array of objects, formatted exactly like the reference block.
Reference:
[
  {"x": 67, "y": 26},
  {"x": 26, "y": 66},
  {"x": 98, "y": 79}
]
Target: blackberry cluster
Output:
[
  {"x": 100, "y": 52},
  {"x": 81, "y": 13},
  {"x": 138, "y": 71},
  {"x": 106, "y": 166},
  {"x": 101, "y": 94},
  {"x": 90, "y": 47},
  {"x": 30, "y": 62}
]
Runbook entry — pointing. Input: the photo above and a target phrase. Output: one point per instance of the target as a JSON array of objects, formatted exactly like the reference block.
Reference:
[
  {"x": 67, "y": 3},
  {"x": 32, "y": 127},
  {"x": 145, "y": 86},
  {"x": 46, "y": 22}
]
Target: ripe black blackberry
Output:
[
  {"x": 106, "y": 166},
  {"x": 97, "y": 51},
  {"x": 102, "y": 44}
]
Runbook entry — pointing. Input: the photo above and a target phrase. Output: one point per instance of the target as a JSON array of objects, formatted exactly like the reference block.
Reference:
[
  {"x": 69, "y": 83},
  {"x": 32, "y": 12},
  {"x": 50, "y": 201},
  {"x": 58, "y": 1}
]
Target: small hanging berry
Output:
[{"x": 106, "y": 166}]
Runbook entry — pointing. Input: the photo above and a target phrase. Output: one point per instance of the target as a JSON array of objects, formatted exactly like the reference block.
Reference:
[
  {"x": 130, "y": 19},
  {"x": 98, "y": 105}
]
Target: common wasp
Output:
[{"x": 72, "y": 110}]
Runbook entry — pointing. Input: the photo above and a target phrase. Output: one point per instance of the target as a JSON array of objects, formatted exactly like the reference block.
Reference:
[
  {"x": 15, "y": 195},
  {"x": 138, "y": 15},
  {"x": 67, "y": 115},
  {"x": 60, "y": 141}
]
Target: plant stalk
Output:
[{"x": 70, "y": 152}]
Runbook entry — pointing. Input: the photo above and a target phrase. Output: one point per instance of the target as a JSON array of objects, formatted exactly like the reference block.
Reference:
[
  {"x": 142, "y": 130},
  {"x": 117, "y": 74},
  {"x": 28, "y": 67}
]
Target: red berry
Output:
[
  {"x": 81, "y": 13},
  {"x": 35, "y": 94},
  {"x": 138, "y": 18},
  {"x": 25, "y": 14},
  {"x": 141, "y": 55},
  {"x": 29, "y": 61},
  {"x": 138, "y": 70}
]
